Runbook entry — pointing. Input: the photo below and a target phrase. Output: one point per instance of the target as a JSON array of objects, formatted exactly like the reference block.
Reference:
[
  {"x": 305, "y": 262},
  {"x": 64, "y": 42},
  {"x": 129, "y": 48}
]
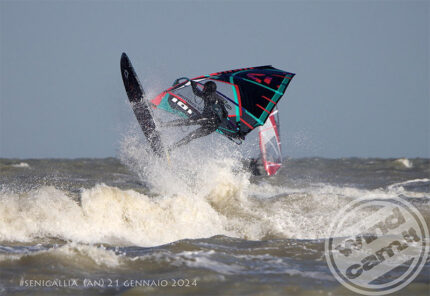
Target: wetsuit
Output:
[{"x": 214, "y": 112}]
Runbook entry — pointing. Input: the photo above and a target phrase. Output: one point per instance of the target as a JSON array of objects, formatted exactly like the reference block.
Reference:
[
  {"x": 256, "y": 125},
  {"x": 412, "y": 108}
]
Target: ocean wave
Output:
[
  {"x": 193, "y": 196},
  {"x": 413, "y": 188},
  {"x": 405, "y": 162},
  {"x": 21, "y": 165},
  {"x": 81, "y": 255},
  {"x": 106, "y": 214}
]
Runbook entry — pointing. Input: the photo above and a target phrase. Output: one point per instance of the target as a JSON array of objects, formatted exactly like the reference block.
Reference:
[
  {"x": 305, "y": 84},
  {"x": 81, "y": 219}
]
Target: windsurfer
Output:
[{"x": 214, "y": 112}]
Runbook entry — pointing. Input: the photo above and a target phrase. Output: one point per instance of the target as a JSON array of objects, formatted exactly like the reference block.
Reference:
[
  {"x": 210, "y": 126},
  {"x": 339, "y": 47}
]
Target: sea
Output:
[{"x": 198, "y": 223}]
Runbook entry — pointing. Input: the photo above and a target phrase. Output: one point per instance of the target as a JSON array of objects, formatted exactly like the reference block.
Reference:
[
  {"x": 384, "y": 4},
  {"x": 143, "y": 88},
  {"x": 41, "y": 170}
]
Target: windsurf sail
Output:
[
  {"x": 251, "y": 93},
  {"x": 270, "y": 144}
]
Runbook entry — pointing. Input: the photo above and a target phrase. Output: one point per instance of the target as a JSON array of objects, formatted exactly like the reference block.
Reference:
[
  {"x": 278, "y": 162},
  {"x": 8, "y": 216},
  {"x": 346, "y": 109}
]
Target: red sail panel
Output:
[{"x": 270, "y": 144}]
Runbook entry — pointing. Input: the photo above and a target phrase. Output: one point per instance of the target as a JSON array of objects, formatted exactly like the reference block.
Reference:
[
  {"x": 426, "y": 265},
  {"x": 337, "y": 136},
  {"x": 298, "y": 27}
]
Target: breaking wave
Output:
[
  {"x": 226, "y": 206},
  {"x": 198, "y": 194}
]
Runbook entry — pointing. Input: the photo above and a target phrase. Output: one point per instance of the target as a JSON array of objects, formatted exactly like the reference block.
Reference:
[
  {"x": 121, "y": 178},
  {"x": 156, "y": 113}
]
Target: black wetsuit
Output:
[{"x": 213, "y": 112}]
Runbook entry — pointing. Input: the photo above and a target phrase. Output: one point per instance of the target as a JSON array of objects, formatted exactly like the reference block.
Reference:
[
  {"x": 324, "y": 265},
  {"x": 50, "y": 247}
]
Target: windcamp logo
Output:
[{"x": 382, "y": 251}]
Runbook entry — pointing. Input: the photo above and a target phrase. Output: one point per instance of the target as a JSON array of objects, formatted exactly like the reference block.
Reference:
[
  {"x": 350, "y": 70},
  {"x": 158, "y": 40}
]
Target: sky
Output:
[{"x": 362, "y": 70}]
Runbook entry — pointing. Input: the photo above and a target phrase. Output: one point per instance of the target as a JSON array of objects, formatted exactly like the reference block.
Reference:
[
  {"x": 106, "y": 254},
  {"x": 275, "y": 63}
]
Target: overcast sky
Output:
[{"x": 361, "y": 89}]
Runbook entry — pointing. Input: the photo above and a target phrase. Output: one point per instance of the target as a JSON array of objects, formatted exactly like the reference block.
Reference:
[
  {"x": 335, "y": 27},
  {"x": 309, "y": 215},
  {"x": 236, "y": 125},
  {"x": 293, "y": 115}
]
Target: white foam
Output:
[
  {"x": 405, "y": 162},
  {"x": 107, "y": 215},
  {"x": 226, "y": 204},
  {"x": 21, "y": 165},
  {"x": 201, "y": 193},
  {"x": 96, "y": 254},
  {"x": 424, "y": 180},
  {"x": 80, "y": 253},
  {"x": 399, "y": 188}
]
